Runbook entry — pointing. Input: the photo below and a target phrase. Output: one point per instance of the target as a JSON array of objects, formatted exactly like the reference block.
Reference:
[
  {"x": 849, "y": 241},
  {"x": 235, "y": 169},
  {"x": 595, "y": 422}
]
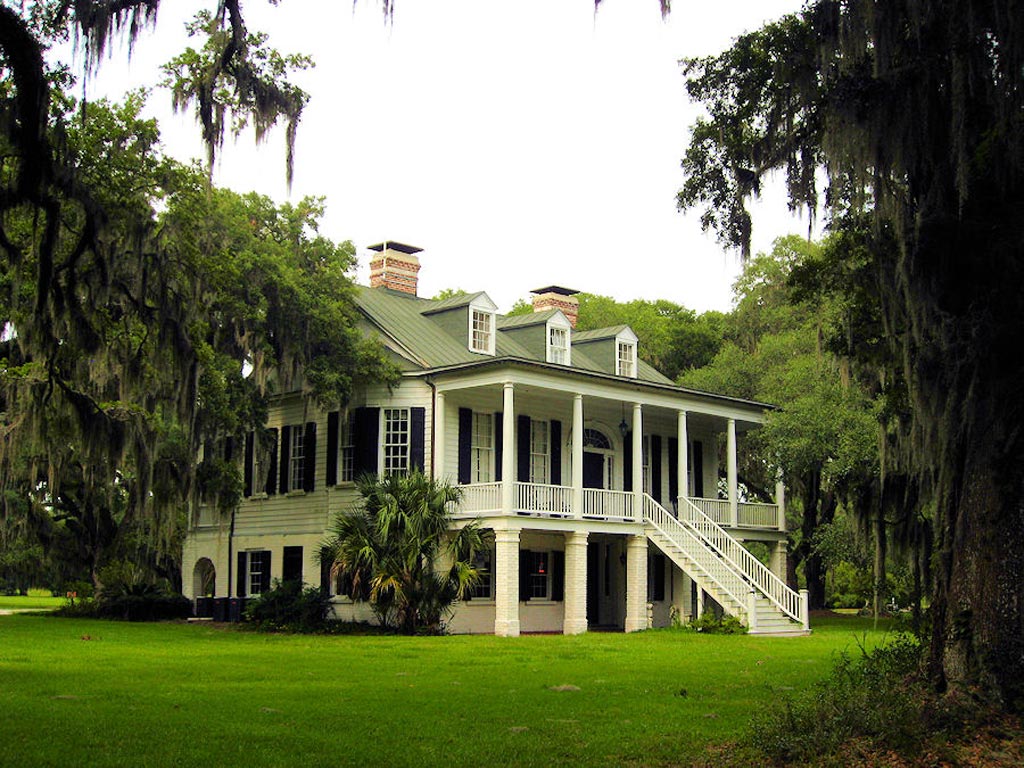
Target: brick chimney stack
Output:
[
  {"x": 557, "y": 297},
  {"x": 395, "y": 266}
]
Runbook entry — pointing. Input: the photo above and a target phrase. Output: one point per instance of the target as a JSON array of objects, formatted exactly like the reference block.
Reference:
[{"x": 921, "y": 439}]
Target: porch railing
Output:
[
  {"x": 749, "y": 514},
  {"x": 610, "y": 505},
  {"x": 597, "y": 503},
  {"x": 793, "y": 604}
]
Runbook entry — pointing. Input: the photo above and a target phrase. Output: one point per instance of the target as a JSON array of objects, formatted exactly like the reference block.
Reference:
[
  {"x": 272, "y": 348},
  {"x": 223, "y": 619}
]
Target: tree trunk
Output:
[
  {"x": 978, "y": 622},
  {"x": 879, "y": 590}
]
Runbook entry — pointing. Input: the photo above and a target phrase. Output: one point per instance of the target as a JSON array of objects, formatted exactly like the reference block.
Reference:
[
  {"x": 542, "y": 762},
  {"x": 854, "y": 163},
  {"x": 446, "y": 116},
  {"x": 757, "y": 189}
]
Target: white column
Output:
[
  {"x": 577, "y": 457},
  {"x": 575, "y": 619},
  {"x": 780, "y": 501},
  {"x": 683, "y": 456},
  {"x": 636, "y": 583},
  {"x": 508, "y": 449},
  {"x": 439, "y": 444},
  {"x": 778, "y": 561},
  {"x": 638, "y": 461},
  {"x": 506, "y": 583},
  {"x": 731, "y": 456}
]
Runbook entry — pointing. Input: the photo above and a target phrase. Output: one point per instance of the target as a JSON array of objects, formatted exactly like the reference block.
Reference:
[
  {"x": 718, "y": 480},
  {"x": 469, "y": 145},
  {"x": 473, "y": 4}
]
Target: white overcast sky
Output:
[{"x": 519, "y": 143}]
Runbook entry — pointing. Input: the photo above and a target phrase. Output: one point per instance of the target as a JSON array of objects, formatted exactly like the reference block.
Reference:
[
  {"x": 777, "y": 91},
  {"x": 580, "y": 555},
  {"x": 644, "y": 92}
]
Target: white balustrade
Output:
[
  {"x": 479, "y": 498},
  {"x": 758, "y": 515},
  {"x": 752, "y": 569},
  {"x": 608, "y": 505},
  {"x": 539, "y": 498}
]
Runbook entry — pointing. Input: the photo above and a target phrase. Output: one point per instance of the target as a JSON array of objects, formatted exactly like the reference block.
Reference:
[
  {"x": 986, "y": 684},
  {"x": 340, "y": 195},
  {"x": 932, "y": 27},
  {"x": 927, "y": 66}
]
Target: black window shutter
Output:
[
  {"x": 525, "y": 566},
  {"x": 627, "y": 463},
  {"x": 229, "y": 449},
  {"x": 523, "y": 448},
  {"x": 332, "y": 449},
  {"x": 209, "y": 451},
  {"x": 659, "y": 577},
  {"x": 286, "y": 453},
  {"x": 499, "y": 443},
  {"x": 265, "y": 575},
  {"x": 291, "y": 564},
  {"x": 247, "y": 469},
  {"x": 673, "y": 467},
  {"x": 698, "y": 469},
  {"x": 365, "y": 439},
  {"x": 556, "y": 452},
  {"x": 309, "y": 458},
  {"x": 656, "y": 468},
  {"x": 417, "y": 438},
  {"x": 465, "y": 445},
  {"x": 240, "y": 580},
  {"x": 325, "y": 573},
  {"x": 270, "y": 487},
  {"x": 558, "y": 576}
]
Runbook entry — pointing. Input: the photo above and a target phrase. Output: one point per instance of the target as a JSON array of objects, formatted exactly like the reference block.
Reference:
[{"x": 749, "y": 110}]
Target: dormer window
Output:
[
  {"x": 559, "y": 349},
  {"x": 482, "y": 332},
  {"x": 625, "y": 357},
  {"x": 482, "y": 324}
]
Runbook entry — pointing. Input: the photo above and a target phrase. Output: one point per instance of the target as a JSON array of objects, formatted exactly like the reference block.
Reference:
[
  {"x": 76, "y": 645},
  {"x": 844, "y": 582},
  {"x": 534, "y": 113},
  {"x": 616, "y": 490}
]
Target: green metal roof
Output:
[{"x": 412, "y": 326}]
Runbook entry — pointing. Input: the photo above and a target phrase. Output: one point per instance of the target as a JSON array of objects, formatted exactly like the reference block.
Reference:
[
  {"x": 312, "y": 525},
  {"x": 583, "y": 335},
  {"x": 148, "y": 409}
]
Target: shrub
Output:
[
  {"x": 288, "y": 606},
  {"x": 877, "y": 697},
  {"x": 132, "y": 593},
  {"x": 710, "y": 623}
]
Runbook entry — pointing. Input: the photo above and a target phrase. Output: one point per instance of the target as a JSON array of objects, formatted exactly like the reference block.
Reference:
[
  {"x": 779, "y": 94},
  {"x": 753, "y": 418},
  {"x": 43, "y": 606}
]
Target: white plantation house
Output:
[{"x": 598, "y": 475}]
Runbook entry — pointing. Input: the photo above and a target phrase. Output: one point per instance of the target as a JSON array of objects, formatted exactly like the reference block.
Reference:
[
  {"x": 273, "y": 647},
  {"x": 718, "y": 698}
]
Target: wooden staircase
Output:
[{"x": 726, "y": 570}]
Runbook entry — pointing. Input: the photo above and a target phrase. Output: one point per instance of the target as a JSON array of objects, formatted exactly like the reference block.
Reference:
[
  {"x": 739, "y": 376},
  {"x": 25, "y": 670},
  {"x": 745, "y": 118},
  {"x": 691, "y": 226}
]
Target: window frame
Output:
[
  {"x": 487, "y": 334},
  {"x": 535, "y": 577},
  {"x": 553, "y": 351},
  {"x": 481, "y": 457},
  {"x": 250, "y": 573},
  {"x": 540, "y": 456},
  {"x": 625, "y": 365},
  {"x": 296, "y": 457},
  {"x": 484, "y": 563},
  {"x": 402, "y": 450},
  {"x": 346, "y": 449}
]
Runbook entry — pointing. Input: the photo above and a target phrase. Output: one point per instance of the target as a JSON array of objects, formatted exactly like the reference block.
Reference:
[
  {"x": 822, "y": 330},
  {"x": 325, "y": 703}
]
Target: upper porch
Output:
[{"x": 525, "y": 443}]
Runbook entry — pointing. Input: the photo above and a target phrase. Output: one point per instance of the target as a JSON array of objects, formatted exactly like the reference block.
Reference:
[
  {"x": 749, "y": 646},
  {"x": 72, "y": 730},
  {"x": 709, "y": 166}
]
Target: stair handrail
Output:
[
  {"x": 657, "y": 516},
  {"x": 760, "y": 576}
]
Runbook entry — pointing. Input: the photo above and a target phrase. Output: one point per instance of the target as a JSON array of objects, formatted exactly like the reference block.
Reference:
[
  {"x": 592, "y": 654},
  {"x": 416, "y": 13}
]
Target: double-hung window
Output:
[
  {"x": 482, "y": 448},
  {"x": 540, "y": 451},
  {"x": 296, "y": 458},
  {"x": 482, "y": 331},
  {"x": 558, "y": 345},
  {"x": 346, "y": 450},
  {"x": 626, "y": 358},
  {"x": 396, "y": 440},
  {"x": 538, "y": 576},
  {"x": 484, "y": 564},
  {"x": 259, "y": 566}
]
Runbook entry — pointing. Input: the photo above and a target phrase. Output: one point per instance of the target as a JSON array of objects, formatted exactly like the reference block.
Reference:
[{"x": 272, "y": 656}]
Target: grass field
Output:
[
  {"x": 37, "y": 599},
  {"x": 83, "y": 692}
]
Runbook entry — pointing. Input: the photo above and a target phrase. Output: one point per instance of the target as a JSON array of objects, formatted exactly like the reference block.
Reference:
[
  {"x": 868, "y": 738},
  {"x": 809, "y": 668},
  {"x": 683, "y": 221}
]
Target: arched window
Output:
[{"x": 593, "y": 438}]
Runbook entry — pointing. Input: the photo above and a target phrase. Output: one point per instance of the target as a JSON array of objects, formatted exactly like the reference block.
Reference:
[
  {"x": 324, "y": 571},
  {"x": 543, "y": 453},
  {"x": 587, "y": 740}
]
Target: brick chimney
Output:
[
  {"x": 395, "y": 266},
  {"x": 557, "y": 297}
]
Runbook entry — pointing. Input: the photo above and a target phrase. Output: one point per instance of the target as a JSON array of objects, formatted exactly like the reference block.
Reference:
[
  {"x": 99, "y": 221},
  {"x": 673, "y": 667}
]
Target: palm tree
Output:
[{"x": 389, "y": 544}]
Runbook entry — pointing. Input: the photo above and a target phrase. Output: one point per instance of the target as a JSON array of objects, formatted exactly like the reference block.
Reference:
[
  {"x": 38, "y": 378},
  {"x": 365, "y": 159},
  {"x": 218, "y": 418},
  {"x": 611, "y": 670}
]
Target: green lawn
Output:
[
  {"x": 79, "y": 692},
  {"x": 36, "y": 599}
]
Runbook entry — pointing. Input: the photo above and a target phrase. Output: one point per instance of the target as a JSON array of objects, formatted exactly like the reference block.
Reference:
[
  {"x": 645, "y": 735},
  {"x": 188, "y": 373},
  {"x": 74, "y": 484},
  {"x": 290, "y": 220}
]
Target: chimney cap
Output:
[
  {"x": 394, "y": 246},
  {"x": 561, "y": 291}
]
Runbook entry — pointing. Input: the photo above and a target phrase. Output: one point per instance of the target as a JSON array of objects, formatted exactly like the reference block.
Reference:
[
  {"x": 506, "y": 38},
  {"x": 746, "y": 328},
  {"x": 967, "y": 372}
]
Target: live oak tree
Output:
[
  {"x": 913, "y": 112},
  {"x": 823, "y": 434},
  {"x": 163, "y": 332}
]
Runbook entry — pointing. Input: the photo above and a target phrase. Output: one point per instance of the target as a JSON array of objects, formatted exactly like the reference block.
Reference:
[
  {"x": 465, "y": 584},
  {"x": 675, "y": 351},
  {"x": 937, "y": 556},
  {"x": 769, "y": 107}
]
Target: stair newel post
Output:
[
  {"x": 752, "y": 611},
  {"x": 805, "y": 612}
]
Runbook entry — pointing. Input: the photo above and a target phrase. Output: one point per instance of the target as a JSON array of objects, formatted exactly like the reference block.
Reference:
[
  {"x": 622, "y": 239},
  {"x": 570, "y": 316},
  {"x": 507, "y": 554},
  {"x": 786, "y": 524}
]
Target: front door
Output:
[{"x": 593, "y": 470}]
